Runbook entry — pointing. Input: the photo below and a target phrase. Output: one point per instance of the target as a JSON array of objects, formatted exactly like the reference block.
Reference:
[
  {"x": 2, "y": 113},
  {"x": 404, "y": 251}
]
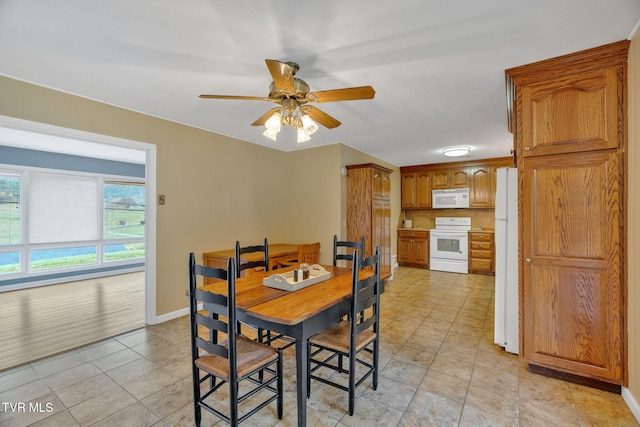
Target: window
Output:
[
  {"x": 71, "y": 222},
  {"x": 124, "y": 220},
  {"x": 10, "y": 230},
  {"x": 9, "y": 209}
]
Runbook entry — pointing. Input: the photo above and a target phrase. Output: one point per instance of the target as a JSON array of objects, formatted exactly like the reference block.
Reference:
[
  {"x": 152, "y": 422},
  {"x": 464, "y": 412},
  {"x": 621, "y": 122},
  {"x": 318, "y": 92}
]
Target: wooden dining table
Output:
[{"x": 298, "y": 314}]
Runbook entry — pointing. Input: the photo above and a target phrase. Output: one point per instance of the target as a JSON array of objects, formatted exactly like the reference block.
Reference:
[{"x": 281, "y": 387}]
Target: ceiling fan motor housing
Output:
[{"x": 301, "y": 89}]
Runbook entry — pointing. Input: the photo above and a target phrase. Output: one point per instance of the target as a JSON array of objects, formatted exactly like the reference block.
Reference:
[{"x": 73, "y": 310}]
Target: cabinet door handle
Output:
[
  {"x": 527, "y": 148},
  {"x": 527, "y": 259}
]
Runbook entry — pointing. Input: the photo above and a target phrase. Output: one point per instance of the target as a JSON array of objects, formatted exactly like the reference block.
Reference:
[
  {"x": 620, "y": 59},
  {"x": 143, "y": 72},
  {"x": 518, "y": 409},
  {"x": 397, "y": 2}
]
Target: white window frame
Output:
[{"x": 25, "y": 248}]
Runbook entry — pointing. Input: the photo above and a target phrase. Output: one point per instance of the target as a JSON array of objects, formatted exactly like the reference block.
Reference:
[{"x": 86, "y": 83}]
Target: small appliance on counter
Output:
[{"x": 448, "y": 245}]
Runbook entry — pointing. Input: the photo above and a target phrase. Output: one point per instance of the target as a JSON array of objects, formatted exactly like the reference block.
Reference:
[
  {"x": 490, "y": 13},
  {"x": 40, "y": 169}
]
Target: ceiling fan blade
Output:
[
  {"x": 246, "y": 98},
  {"x": 263, "y": 118},
  {"x": 346, "y": 94},
  {"x": 321, "y": 117},
  {"x": 282, "y": 75}
]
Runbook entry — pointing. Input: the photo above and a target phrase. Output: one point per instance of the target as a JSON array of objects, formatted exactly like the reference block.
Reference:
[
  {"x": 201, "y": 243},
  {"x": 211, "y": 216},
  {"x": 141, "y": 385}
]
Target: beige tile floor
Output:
[{"x": 439, "y": 367}]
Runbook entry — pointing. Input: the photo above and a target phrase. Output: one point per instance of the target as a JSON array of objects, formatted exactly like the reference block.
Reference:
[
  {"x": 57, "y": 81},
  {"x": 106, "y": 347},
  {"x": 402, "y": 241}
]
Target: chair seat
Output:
[
  {"x": 337, "y": 337},
  {"x": 250, "y": 355}
]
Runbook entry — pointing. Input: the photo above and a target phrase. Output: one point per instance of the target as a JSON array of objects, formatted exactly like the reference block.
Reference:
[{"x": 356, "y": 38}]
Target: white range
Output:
[{"x": 448, "y": 245}]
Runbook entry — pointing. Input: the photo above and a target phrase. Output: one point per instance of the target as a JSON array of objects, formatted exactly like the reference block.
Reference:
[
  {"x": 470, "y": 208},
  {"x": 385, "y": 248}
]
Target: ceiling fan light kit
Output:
[
  {"x": 294, "y": 97},
  {"x": 457, "y": 150}
]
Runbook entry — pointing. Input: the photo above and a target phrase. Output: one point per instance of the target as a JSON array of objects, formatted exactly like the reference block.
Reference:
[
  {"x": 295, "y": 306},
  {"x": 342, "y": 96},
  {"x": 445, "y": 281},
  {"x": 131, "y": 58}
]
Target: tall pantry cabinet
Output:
[
  {"x": 570, "y": 136},
  {"x": 369, "y": 210}
]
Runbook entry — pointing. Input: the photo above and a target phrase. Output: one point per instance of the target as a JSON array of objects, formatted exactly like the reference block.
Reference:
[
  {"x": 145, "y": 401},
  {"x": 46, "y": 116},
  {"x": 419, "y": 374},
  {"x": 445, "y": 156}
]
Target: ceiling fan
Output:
[{"x": 294, "y": 97}]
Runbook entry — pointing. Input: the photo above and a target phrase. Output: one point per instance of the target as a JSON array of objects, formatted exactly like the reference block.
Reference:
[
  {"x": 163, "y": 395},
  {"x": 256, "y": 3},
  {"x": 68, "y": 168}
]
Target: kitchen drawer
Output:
[
  {"x": 481, "y": 237},
  {"x": 412, "y": 234},
  {"x": 479, "y": 264},
  {"x": 484, "y": 246},
  {"x": 480, "y": 254}
]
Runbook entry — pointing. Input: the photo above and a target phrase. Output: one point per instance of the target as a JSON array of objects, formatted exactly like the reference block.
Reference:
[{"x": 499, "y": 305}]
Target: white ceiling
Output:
[{"x": 437, "y": 66}]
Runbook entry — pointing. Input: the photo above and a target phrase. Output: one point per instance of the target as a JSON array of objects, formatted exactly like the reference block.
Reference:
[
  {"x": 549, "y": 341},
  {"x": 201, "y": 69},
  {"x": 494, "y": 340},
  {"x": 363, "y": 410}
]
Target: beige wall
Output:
[
  {"x": 218, "y": 189},
  {"x": 633, "y": 220}
]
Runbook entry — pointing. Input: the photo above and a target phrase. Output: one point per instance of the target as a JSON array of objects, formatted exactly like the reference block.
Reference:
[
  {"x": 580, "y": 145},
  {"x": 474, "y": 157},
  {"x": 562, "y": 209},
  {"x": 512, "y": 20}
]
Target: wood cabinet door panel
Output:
[
  {"x": 423, "y": 189},
  {"x": 409, "y": 186},
  {"x": 572, "y": 278},
  {"x": 381, "y": 184},
  {"x": 570, "y": 315},
  {"x": 440, "y": 178},
  {"x": 576, "y": 113},
  {"x": 482, "y": 191},
  {"x": 404, "y": 249},
  {"x": 381, "y": 234},
  {"x": 421, "y": 252},
  {"x": 459, "y": 178}
]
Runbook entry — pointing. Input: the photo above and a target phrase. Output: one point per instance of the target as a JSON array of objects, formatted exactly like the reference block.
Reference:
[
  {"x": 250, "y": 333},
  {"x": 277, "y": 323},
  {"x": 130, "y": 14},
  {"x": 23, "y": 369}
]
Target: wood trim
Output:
[
  {"x": 605, "y": 56},
  {"x": 496, "y": 161},
  {"x": 369, "y": 165},
  {"x": 576, "y": 379}
]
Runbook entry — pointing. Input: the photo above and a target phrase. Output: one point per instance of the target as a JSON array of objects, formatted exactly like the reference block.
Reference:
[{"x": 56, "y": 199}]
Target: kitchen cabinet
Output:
[
  {"x": 416, "y": 189},
  {"x": 478, "y": 175},
  {"x": 570, "y": 142},
  {"x": 369, "y": 210},
  {"x": 482, "y": 192},
  {"x": 413, "y": 248},
  {"x": 452, "y": 177},
  {"x": 481, "y": 252},
  {"x": 381, "y": 184}
]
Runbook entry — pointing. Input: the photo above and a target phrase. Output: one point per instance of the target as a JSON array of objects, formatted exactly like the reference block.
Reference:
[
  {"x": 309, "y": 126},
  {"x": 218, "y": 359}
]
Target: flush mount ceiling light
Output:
[{"x": 457, "y": 150}]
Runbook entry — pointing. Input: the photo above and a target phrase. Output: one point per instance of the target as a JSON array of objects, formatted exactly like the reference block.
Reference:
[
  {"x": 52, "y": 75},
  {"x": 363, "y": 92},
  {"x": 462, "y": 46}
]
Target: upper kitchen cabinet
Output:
[
  {"x": 478, "y": 175},
  {"x": 570, "y": 104},
  {"x": 416, "y": 189},
  {"x": 482, "y": 180},
  {"x": 453, "y": 177},
  {"x": 570, "y": 132}
]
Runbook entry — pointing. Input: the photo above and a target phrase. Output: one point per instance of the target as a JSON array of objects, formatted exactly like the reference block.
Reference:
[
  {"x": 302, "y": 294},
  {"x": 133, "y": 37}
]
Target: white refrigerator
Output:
[{"x": 506, "y": 244}]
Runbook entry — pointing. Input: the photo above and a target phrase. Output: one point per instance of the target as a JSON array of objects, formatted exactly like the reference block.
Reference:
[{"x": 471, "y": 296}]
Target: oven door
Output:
[{"x": 449, "y": 245}]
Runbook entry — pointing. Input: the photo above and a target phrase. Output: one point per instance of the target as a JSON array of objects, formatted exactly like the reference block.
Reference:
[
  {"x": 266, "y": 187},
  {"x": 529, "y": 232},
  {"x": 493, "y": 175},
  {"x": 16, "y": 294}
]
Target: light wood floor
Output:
[{"x": 39, "y": 322}]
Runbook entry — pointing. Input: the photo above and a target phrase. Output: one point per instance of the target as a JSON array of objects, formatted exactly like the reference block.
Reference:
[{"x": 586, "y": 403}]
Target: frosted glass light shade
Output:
[
  {"x": 310, "y": 127},
  {"x": 458, "y": 150}
]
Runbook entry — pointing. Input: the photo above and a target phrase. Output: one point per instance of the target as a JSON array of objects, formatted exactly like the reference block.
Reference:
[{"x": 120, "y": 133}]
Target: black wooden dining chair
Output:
[
  {"x": 351, "y": 338},
  {"x": 263, "y": 335},
  {"x": 343, "y": 249},
  {"x": 232, "y": 361},
  {"x": 243, "y": 264}
]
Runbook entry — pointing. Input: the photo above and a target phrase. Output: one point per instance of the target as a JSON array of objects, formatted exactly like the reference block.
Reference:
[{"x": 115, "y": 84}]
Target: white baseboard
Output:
[
  {"x": 170, "y": 316},
  {"x": 631, "y": 402}
]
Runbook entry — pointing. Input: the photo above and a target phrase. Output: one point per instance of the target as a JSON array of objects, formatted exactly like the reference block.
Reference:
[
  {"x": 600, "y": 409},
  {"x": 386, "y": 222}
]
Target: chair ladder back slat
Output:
[
  {"x": 346, "y": 245},
  {"x": 211, "y": 323},
  {"x": 241, "y": 266},
  {"x": 212, "y": 348}
]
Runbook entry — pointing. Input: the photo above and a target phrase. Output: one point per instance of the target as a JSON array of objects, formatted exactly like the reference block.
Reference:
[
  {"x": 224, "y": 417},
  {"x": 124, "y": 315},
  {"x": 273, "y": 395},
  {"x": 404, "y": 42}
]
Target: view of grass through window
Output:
[
  {"x": 124, "y": 218},
  {"x": 9, "y": 221}
]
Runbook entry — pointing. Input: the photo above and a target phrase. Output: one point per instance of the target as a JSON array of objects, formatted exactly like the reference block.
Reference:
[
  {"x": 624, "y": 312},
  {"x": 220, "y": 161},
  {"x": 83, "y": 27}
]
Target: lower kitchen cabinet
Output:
[
  {"x": 481, "y": 252},
  {"x": 413, "y": 248}
]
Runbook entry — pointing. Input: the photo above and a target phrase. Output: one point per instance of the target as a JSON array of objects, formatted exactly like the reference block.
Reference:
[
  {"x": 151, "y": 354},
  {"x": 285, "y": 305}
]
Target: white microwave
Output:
[{"x": 450, "y": 199}]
